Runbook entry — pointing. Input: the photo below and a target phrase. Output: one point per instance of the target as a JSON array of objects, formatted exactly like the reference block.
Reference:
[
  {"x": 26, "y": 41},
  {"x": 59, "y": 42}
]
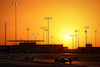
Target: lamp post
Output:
[
  {"x": 43, "y": 33},
  {"x": 86, "y": 27},
  {"x": 27, "y": 33},
  {"x": 95, "y": 37},
  {"x": 72, "y": 41},
  {"x": 76, "y": 38},
  {"x": 46, "y": 35},
  {"x": 51, "y": 39},
  {"x": 15, "y": 4},
  {"x": 48, "y": 26},
  {"x": 5, "y": 32},
  {"x": 35, "y": 35}
]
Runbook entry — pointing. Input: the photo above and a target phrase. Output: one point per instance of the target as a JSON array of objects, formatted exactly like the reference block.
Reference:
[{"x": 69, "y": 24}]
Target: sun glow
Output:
[{"x": 67, "y": 36}]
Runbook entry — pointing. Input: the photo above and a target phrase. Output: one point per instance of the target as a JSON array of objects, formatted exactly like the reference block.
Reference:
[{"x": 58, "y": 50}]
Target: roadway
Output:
[
  {"x": 4, "y": 62},
  {"x": 13, "y": 59}
]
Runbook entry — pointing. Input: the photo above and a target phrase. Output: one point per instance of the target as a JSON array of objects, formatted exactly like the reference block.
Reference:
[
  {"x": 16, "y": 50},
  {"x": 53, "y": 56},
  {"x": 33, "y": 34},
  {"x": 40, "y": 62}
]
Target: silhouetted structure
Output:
[
  {"x": 48, "y": 18},
  {"x": 30, "y": 46},
  {"x": 4, "y": 49},
  {"x": 89, "y": 50},
  {"x": 43, "y": 32},
  {"x": 33, "y": 48},
  {"x": 86, "y": 27},
  {"x": 88, "y": 45},
  {"x": 15, "y": 4}
]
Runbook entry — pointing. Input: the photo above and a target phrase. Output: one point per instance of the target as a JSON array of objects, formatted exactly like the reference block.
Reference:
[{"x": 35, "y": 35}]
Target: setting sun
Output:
[{"x": 67, "y": 36}]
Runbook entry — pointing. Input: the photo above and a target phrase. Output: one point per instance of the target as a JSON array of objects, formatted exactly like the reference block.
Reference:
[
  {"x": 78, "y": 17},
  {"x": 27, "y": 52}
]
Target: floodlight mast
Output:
[
  {"x": 51, "y": 40},
  {"x": 77, "y": 31},
  {"x": 48, "y": 26},
  {"x": 27, "y": 33},
  {"x": 35, "y": 35},
  {"x": 72, "y": 41},
  {"x": 5, "y": 32},
  {"x": 76, "y": 38},
  {"x": 15, "y": 4},
  {"x": 86, "y": 27},
  {"x": 43, "y": 33},
  {"x": 46, "y": 35},
  {"x": 95, "y": 37}
]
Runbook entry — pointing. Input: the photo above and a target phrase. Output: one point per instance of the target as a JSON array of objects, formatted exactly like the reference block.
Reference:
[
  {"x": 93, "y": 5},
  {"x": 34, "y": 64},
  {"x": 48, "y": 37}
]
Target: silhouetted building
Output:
[
  {"x": 89, "y": 49},
  {"x": 88, "y": 45},
  {"x": 65, "y": 49},
  {"x": 33, "y": 48},
  {"x": 4, "y": 49},
  {"x": 27, "y": 44}
]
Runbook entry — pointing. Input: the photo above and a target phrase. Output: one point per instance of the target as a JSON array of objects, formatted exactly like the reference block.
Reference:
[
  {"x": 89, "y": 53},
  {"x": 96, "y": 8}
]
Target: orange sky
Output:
[{"x": 68, "y": 16}]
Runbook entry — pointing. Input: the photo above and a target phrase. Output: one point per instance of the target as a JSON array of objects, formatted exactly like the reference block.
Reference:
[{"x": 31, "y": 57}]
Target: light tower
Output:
[
  {"x": 72, "y": 41},
  {"x": 76, "y": 38},
  {"x": 5, "y": 32},
  {"x": 43, "y": 33},
  {"x": 46, "y": 35},
  {"x": 86, "y": 27},
  {"x": 35, "y": 35},
  {"x": 15, "y": 4},
  {"x": 51, "y": 39},
  {"x": 48, "y": 26},
  {"x": 95, "y": 37},
  {"x": 27, "y": 33}
]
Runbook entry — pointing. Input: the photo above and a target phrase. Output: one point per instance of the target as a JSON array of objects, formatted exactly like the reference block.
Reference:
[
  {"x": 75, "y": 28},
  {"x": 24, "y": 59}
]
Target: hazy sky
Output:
[{"x": 67, "y": 16}]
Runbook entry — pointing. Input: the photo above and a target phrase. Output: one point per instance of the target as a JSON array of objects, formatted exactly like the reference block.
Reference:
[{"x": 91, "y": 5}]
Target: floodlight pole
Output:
[
  {"x": 86, "y": 27},
  {"x": 43, "y": 33},
  {"x": 72, "y": 41},
  {"x": 5, "y": 37},
  {"x": 76, "y": 38},
  {"x": 15, "y": 4},
  {"x": 51, "y": 39},
  {"x": 46, "y": 35},
  {"x": 5, "y": 32},
  {"x": 27, "y": 33},
  {"x": 95, "y": 37},
  {"x": 86, "y": 36},
  {"x": 35, "y": 36},
  {"x": 48, "y": 26}
]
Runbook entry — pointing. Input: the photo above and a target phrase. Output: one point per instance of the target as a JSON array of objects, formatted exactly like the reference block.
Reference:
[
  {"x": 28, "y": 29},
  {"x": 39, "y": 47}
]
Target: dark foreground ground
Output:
[
  {"x": 11, "y": 63},
  {"x": 21, "y": 63},
  {"x": 42, "y": 60}
]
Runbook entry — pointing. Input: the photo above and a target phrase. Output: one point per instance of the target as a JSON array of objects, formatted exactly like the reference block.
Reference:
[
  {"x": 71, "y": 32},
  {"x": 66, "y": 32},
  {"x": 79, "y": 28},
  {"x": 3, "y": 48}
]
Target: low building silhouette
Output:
[{"x": 33, "y": 48}]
